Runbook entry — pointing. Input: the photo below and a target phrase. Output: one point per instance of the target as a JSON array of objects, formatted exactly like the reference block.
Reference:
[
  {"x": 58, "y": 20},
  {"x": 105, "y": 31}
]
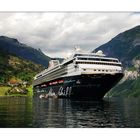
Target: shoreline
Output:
[{"x": 4, "y": 91}]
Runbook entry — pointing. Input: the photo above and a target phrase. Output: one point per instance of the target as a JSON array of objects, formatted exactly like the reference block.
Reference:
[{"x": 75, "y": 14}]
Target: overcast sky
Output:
[{"x": 56, "y": 34}]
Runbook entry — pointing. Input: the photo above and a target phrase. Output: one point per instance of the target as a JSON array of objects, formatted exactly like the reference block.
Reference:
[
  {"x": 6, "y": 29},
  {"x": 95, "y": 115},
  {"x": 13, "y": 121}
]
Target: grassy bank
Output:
[
  {"x": 4, "y": 90},
  {"x": 30, "y": 91}
]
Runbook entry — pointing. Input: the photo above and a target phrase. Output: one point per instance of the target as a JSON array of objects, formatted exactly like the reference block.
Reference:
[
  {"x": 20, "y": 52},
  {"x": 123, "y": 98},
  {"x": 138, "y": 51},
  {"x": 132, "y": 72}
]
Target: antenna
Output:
[{"x": 77, "y": 48}]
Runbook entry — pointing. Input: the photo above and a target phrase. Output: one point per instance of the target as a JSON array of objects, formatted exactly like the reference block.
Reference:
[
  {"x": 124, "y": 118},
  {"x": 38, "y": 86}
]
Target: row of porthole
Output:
[
  {"x": 105, "y": 70},
  {"x": 102, "y": 70}
]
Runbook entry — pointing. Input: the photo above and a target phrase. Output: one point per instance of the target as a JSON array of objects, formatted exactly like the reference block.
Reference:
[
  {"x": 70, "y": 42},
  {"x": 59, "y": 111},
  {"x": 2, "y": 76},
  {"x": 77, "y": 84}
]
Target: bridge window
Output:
[{"x": 97, "y": 59}]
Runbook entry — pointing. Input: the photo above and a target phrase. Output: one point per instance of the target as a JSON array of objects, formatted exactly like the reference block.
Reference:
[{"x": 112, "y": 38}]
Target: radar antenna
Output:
[{"x": 77, "y": 48}]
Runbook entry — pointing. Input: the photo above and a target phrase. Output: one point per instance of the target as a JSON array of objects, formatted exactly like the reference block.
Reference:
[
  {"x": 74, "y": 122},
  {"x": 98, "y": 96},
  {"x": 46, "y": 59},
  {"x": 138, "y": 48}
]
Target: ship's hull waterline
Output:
[{"x": 92, "y": 86}]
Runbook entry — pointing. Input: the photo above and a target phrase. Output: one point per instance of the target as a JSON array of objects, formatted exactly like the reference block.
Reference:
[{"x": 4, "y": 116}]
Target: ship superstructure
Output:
[{"x": 81, "y": 75}]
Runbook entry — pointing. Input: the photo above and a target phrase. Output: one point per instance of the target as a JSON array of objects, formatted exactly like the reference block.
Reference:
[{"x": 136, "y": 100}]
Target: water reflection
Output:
[
  {"x": 66, "y": 113},
  {"x": 15, "y": 112}
]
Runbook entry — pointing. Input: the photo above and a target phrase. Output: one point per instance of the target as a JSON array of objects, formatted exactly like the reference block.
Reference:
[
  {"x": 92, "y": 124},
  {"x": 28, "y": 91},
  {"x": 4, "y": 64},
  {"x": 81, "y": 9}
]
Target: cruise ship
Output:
[{"x": 82, "y": 75}]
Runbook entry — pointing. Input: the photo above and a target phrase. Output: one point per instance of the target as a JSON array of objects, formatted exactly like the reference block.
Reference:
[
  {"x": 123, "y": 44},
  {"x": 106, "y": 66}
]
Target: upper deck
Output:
[{"x": 80, "y": 61}]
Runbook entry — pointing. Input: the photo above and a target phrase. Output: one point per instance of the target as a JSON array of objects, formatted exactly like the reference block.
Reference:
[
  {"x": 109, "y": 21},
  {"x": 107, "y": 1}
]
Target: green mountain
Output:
[
  {"x": 13, "y": 46},
  {"x": 13, "y": 67},
  {"x": 125, "y": 46},
  {"x": 19, "y": 61},
  {"x": 129, "y": 88}
]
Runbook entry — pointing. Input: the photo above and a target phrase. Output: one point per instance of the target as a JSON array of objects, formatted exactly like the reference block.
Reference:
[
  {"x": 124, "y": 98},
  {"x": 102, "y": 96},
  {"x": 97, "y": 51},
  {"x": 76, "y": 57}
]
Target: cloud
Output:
[{"x": 57, "y": 33}]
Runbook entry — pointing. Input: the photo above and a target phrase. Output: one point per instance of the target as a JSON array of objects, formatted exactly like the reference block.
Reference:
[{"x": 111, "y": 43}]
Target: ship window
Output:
[
  {"x": 77, "y": 55},
  {"x": 96, "y": 59},
  {"x": 39, "y": 76},
  {"x": 68, "y": 62},
  {"x": 98, "y": 63}
]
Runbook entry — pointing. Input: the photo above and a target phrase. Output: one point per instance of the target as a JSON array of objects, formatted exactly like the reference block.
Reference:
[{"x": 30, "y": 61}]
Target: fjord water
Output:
[{"x": 23, "y": 112}]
